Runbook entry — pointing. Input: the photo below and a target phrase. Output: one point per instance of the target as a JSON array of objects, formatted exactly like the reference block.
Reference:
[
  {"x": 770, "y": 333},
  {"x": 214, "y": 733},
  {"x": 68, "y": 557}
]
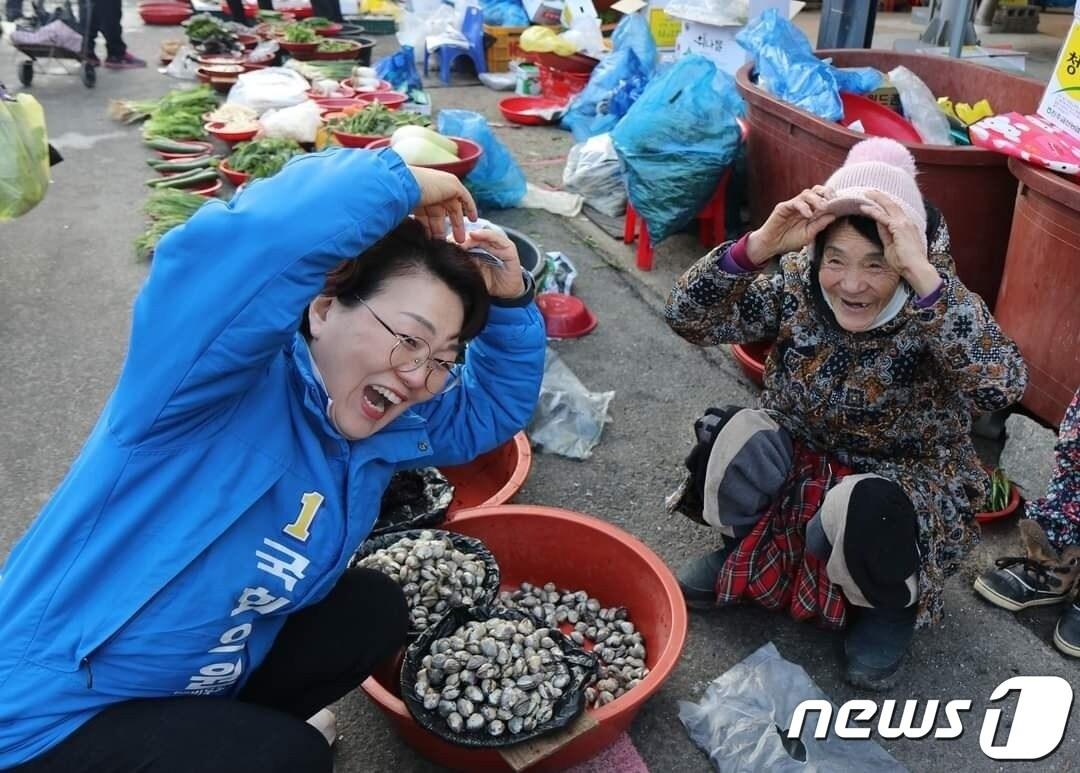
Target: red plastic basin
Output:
[
  {"x": 751, "y": 358},
  {"x": 540, "y": 544},
  {"x": 493, "y": 478},
  {"x": 390, "y": 99},
  {"x": 518, "y": 109},
  {"x": 236, "y": 178},
  {"x": 468, "y": 155},
  {"x": 565, "y": 316},
  {"x": 877, "y": 120},
  {"x": 164, "y": 13}
]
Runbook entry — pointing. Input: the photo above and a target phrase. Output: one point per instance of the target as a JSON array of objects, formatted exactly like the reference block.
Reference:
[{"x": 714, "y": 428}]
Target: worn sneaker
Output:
[
  {"x": 697, "y": 579},
  {"x": 875, "y": 646},
  {"x": 92, "y": 59},
  {"x": 1067, "y": 632},
  {"x": 1018, "y": 583},
  {"x": 125, "y": 62}
]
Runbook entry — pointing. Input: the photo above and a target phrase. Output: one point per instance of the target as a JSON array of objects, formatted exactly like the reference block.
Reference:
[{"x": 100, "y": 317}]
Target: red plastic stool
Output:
[{"x": 712, "y": 225}]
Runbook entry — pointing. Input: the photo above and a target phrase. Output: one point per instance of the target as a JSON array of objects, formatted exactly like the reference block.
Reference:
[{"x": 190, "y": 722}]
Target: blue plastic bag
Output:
[
  {"x": 505, "y": 13},
  {"x": 676, "y": 142},
  {"x": 787, "y": 68},
  {"x": 399, "y": 70},
  {"x": 497, "y": 181},
  {"x": 616, "y": 83}
]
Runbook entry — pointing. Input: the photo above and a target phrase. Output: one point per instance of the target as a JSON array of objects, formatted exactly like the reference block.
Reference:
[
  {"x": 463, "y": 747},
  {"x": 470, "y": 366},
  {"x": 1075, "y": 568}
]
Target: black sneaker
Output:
[
  {"x": 697, "y": 579},
  {"x": 1067, "y": 632},
  {"x": 1018, "y": 583},
  {"x": 875, "y": 646}
]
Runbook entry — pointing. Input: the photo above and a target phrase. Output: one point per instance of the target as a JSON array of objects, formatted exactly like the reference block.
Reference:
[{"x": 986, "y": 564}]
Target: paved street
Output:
[{"x": 67, "y": 279}]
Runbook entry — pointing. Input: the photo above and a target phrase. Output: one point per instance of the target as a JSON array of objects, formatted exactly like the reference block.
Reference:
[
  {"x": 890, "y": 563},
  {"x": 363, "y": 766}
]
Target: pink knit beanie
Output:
[{"x": 877, "y": 164}]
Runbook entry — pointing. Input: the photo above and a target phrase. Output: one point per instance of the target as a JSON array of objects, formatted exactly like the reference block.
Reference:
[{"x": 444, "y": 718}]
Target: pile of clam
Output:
[
  {"x": 434, "y": 575},
  {"x": 499, "y": 677},
  {"x": 619, "y": 647}
]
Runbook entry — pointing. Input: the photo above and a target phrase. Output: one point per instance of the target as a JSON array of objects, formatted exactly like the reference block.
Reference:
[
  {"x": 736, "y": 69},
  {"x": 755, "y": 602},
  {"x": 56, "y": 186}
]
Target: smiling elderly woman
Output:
[
  {"x": 183, "y": 602},
  {"x": 853, "y": 488}
]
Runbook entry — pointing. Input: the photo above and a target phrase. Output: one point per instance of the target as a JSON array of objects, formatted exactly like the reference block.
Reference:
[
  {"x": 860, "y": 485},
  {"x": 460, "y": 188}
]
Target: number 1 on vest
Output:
[{"x": 301, "y": 527}]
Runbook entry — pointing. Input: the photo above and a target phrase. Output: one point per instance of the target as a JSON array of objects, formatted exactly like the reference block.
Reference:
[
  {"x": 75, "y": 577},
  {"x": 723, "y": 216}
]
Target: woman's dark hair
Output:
[
  {"x": 865, "y": 226},
  {"x": 407, "y": 251}
]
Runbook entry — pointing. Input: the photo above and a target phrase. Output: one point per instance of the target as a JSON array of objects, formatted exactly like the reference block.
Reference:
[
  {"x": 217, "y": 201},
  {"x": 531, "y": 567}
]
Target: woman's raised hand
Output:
[
  {"x": 442, "y": 195},
  {"x": 792, "y": 225},
  {"x": 904, "y": 242},
  {"x": 506, "y": 281}
]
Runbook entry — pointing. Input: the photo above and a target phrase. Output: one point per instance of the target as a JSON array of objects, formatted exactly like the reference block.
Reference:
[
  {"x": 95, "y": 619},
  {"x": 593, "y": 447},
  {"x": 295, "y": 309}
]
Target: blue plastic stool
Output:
[{"x": 473, "y": 30}]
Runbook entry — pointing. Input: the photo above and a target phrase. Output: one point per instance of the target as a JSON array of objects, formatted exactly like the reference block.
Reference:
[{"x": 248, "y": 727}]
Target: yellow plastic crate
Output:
[{"x": 505, "y": 47}]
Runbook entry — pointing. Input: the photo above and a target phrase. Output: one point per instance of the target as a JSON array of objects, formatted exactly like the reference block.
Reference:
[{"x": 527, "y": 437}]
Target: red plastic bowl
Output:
[
  {"x": 751, "y": 358},
  {"x": 540, "y": 544},
  {"x": 217, "y": 129},
  {"x": 565, "y": 316},
  {"x": 1009, "y": 509},
  {"x": 493, "y": 478},
  {"x": 246, "y": 40},
  {"x": 236, "y": 178},
  {"x": 877, "y": 120},
  {"x": 204, "y": 149},
  {"x": 516, "y": 109},
  {"x": 468, "y": 154},
  {"x": 339, "y": 56},
  {"x": 577, "y": 63},
  {"x": 330, "y": 30},
  {"x": 301, "y": 51},
  {"x": 356, "y": 140},
  {"x": 390, "y": 99},
  {"x": 207, "y": 190},
  {"x": 383, "y": 86},
  {"x": 164, "y": 13}
]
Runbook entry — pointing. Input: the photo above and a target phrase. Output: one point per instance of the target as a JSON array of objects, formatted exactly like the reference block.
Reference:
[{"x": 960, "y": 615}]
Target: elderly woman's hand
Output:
[
  {"x": 904, "y": 242},
  {"x": 792, "y": 225},
  {"x": 506, "y": 281},
  {"x": 442, "y": 196}
]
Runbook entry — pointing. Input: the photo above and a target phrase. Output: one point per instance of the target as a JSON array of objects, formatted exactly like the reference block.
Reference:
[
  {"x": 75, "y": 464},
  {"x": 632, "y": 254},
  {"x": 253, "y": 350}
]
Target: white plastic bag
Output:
[
  {"x": 719, "y": 13},
  {"x": 414, "y": 27},
  {"x": 742, "y": 721},
  {"x": 921, "y": 107},
  {"x": 273, "y": 87},
  {"x": 593, "y": 169},
  {"x": 299, "y": 122},
  {"x": 183, "y": 65}
]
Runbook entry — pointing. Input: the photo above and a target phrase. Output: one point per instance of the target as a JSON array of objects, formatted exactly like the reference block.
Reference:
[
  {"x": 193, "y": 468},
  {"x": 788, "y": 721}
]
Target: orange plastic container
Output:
[
  {"x": 539, "y": 544},
  {"x": 789, "y": 150},
  {"x": 1039, "y": 302},
  {"x": 493, "y": 478}
]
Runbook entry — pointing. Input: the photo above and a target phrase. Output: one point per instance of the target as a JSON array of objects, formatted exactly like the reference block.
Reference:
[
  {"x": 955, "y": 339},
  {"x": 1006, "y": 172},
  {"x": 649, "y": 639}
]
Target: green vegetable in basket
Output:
[
  {"x": 1000, "y": 490},
  {"x": 330, "y": 46},
  {"x": 263, "y": 158},
  {"x": 298, "y": 33},
  {"x": 166, "y": 209},
  {"x": 377, "y": 119},
  {"x": 203, "y": 26}
]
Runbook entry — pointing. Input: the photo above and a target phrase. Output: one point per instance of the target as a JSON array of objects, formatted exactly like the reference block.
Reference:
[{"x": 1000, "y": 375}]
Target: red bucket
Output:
[
  {"x": 561, "y": 85},
  {"x": 541, "y": 544},
  {"x": 493, "y": 478}
]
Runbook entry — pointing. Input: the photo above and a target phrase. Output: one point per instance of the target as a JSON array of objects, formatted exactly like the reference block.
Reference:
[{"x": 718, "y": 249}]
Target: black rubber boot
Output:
[
  {"x": 697, "y": 579},
  {"x": 875, "y": 646}
]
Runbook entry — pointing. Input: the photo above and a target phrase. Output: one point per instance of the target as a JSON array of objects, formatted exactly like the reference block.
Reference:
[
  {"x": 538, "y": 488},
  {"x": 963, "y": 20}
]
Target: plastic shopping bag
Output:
[
  {"x": 24, "y": 156},
  {"x": 743, "y": 719},
  {"x": 676, "y": 142},
  {"x": 921, "y": 108},
  {"x": 593, "y": 169},
  {"x": 496, "y": 181},
  {"x": 274, "y": 87},
  {"x": 399, "y": 70}
]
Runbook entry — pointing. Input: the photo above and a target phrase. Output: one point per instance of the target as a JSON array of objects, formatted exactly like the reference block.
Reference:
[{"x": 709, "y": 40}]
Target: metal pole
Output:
[{"x": 958, "y": 26}]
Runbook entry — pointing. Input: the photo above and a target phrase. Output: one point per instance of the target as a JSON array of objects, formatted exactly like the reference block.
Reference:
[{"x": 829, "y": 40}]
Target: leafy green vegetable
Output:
[
  {"x": 330, "y": 46},
  {"x": 377, "y": 119},
  {"x": 1000, "y": 490},
  {"x": 263, "y": 158},
  {"x": 166, "y": 209},
  {"x": 317, "y": 22},
  {"x": 298, "y": 33},
  {"x": 331, "y": 70},
  {"x": 178, "y": 115},
  {"x": 203, "y": 26}
]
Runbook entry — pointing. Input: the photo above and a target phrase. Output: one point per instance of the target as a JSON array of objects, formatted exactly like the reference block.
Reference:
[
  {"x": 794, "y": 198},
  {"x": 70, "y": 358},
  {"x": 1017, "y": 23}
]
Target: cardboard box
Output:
[
  {"x": 547, "y": 12},
  {"x": 1061, "y": 101}
]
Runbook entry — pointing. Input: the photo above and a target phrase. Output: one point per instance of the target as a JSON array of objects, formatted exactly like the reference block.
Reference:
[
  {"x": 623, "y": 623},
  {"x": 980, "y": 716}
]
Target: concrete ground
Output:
[{"x": 67, "y": 279}]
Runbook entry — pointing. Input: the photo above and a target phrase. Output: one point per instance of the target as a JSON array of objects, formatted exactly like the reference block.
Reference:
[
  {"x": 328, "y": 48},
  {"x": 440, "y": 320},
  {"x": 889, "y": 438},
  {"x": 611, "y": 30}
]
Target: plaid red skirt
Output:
[{"x": 771, "y": 567}]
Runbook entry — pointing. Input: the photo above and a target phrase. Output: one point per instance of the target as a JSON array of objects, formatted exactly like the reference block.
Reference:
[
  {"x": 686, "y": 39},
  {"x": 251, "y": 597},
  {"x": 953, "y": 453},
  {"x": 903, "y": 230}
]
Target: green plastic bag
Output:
[{"x": 24, "y": 156}]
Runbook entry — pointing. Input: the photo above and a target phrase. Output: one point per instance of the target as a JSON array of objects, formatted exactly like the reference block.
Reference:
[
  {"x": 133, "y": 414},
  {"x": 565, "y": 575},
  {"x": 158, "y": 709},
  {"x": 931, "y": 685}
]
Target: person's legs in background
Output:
[
  {"x": 106, "y": 20},
  {"x": 328, "y": 9},
  {"x": 867, "y": 533},
  {"x": 14, "y": 9}
]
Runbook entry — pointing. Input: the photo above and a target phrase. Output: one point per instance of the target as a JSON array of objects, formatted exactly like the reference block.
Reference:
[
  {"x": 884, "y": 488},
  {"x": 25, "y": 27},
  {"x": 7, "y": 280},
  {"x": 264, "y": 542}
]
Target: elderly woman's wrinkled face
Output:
[{"x": 856, "y": 278}]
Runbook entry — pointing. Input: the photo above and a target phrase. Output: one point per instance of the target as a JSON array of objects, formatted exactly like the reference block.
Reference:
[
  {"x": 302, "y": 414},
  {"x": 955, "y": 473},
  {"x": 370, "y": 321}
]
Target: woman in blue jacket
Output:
[{"x": 182, "y": 602}]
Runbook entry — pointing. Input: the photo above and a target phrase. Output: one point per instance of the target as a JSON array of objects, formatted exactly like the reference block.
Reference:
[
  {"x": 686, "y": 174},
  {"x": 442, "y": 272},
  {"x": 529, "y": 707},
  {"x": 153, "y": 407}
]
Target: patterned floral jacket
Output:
[{"x": 896, "y": 401}]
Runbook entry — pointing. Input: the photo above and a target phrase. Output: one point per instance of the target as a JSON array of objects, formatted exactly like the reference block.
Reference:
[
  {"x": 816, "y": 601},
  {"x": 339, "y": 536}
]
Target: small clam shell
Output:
[
  {"x": 474, "y": 722},
  {"x": 475, "y": 662},
  {"x": 489, "y": 713},
  {"x": 446, "y": 708},
  {"x": 474, "y": 694},
  {"x": 450, "y": 693},
  {"x": 495, "y": 696},
  {"x": 464, "y": 707},
  {"x": 455, "y": 722},
  {"x": 515, "y": 725},
  {"x": 496, "y": 728},
  {"x": 544, "y": 714},
  {"x": 431, "y": 701},
  {"x": 452, "y": 665},
  {"x": 488, "y": 647}
]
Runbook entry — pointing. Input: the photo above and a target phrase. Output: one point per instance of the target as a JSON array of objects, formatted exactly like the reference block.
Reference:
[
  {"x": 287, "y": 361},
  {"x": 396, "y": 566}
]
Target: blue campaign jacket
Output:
[{"x": 213, "y": 497}]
